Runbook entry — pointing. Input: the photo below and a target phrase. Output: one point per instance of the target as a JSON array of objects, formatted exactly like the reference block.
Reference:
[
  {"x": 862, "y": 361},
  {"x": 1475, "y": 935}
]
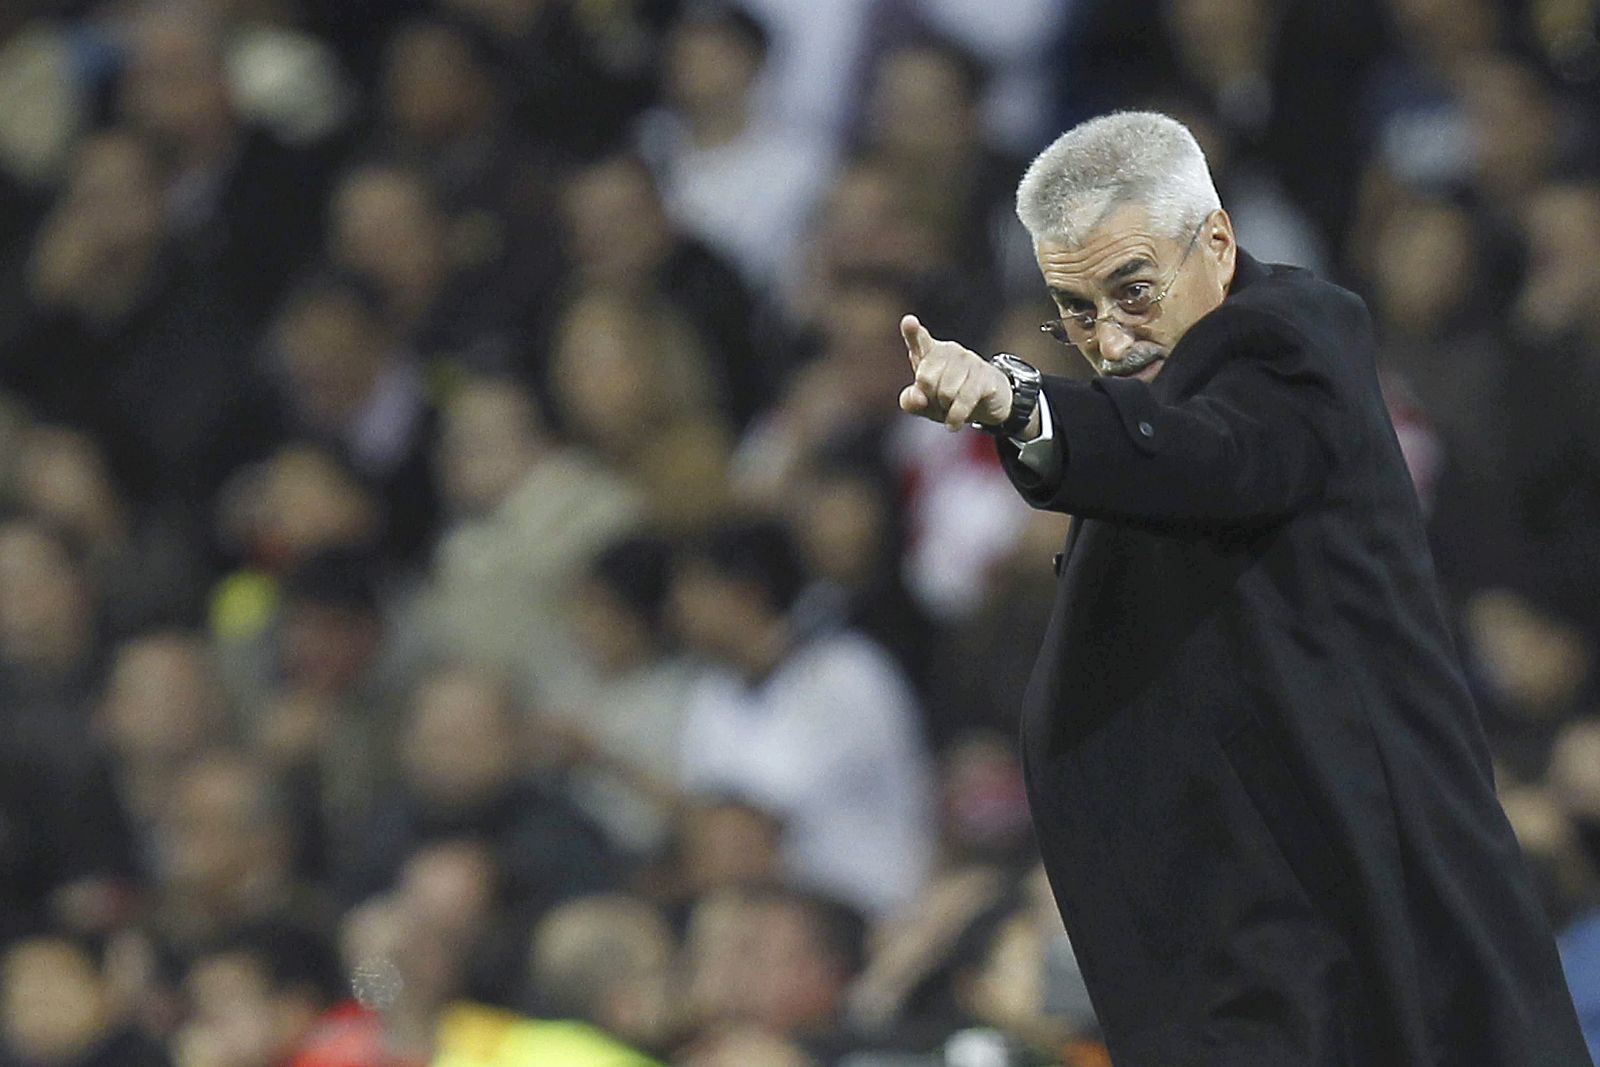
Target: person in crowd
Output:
[
  {"x": 349, "y": 387},
  {"x": 924, "y": 124},
  {"x": 464, "y": 758},
  {"x": 244, "y": 207},
  {"x": 259, "y": 995},
  {"x": 620, "y": 237},
  {"x": 163, "y": 706},
  {"x": 225, "y": 857},
  {"x": 726, "y": 843},
  {"x": 446, "y": 289},
  {"x": 527, "y": 514},
  {"x": 606, "y": 961},
  {"x": 57, "y": 1009},
  {"x": 820, "y": 727},
  {"x": 633, "y": 386},
  {"x": 622, "y": 744},
  {"x": 120, "y": 337},
  {"x": 742, "y": 183}
]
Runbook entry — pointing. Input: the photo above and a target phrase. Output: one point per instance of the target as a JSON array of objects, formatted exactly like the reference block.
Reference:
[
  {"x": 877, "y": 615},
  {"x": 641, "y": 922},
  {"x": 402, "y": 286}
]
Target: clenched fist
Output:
[{"x": 954, "y": 385}]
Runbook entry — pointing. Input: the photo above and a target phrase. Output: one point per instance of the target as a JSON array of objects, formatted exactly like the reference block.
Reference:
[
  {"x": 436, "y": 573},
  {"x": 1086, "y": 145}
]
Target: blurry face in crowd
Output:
[
  {"x": 794, "y": 987},
  {"x": 300, "y": 503},
  {"x": 609, "y": 959},
  {"x": 1124, "y": 257},
  {"x": 52, "y": 1002},
  {"x": 727, "y": 845},
  {"x": 433, "y": 88},
  {"x": 509, "y": 18},
  {"x": 163, "y": 702},
  {"x": 335, "y": 352},
  {"x": 240, "y": 1018},
  {"x": 613, "y": 636},
  {"x": 326, "y": 648},
  {"x": 1513, "y": 124},
  {"x": 387, "y": 228},
  {"x": 617, "y": 229},
  {"x": 221, "y": 838},
  {"x": 716, "y": 615},
  {"x": 709, "y": 68},
  {"x": 602, "y": 377},
  {"x": 1562, "y": 227},
  {"x": 63, "y": 477},
  {"x": 921, "y": 104},
  {"x": 452, "y": 886},
  {"x": 488, "y": 443},
  {"x": 842, "y": 526},
  {"x": 1447, "y": 29},
  {"x": 462, "y": 747},
  {"x": 176, "y": 87},
  {"x": 44, "y": 600},
  {"x": 1214, "y": 37},
  {"x": 1423, "y": 269},
  {"x": 112, "y": 191}
]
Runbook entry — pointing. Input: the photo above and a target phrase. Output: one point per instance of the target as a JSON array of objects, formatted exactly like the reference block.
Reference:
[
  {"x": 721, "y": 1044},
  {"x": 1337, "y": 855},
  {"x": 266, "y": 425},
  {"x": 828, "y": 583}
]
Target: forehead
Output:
[{"x": 1122, "y": 240}]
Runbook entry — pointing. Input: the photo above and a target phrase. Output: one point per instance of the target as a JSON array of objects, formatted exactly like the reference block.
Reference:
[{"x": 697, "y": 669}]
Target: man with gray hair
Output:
[{"x": 1258, "y": 780}]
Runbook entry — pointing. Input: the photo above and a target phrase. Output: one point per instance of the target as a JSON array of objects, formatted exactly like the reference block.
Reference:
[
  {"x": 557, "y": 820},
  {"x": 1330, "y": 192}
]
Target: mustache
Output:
[{"x": 1133, "y": 361}]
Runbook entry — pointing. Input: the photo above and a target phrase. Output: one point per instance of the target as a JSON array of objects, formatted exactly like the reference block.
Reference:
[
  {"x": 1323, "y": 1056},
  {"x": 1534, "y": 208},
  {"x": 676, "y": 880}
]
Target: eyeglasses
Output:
[{"x": 1133, "y": 307}]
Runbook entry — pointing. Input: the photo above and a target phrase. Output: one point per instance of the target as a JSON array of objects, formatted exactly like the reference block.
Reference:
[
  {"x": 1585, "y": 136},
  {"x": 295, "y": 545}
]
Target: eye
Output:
[{"x": 1136, "y": 294}]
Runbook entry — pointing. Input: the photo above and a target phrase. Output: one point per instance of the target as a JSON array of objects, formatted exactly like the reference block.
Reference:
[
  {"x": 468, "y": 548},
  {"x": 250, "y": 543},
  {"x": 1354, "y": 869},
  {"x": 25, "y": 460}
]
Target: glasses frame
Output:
[{"x": 1059, "y": 331}]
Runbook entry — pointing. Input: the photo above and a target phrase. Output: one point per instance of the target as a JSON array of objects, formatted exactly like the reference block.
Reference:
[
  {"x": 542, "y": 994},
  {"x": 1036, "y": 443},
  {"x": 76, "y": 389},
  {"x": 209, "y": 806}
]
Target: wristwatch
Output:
[{"x": 1024, "y": 394}]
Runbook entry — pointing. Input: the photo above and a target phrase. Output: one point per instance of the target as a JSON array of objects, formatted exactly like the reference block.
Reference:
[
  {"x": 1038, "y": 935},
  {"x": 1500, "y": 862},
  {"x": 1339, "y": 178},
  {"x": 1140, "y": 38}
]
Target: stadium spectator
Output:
[
  {"x": 57, "y": 1010},
  {"x": 527, "y": 514},
  {"x": 822, "y": 729},
  {"x": 463, "y": 758},
  {"x": 633, "y": 387},
  {"x": 623, "y": 741},
  {"x": 729, "y": 173}
]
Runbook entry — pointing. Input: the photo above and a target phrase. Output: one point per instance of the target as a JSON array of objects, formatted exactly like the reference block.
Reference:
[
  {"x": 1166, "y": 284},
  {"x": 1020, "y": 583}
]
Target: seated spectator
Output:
[
  {"x": 741, "y": 182},
  {"x": 446, "y": 290},
  {"x": 122, "y": 339},
  {"x": 632, "y": 385},
  {"x": 50, "y": 653},
  {"x": 781, "y": 964},
  {"x": 164, "y": 706},
  {"x": 924, "y": 122},
  {"x": 464, "y": 779},
  {"x": 57, "y": 1010},
  {"x": 846, "y": 519},
  {"x": 822, "y": 729},
  {"x": 622, "y": 741},
  {"x": 260, "y": 995},
  {"x": 528, "y": 514},
  {"x": 245, "y": 206},
  {"x": 148, "y": 572},
  {"x": 620, "y": 239},
  {"x": 725, "y": 843},
  {"x": 225, "y": 857},
  {"x": 606, "y": 961},
  {"x": 350, "y": 388}
]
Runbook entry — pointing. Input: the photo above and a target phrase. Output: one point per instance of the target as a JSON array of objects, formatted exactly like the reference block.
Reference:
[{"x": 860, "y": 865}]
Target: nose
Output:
[{"x": 1112, "y": 339}]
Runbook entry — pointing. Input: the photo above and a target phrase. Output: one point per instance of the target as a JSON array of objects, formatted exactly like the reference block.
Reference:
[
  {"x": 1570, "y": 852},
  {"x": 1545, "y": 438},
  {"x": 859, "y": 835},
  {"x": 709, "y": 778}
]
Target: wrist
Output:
[{"x": 1022, "y": 409}]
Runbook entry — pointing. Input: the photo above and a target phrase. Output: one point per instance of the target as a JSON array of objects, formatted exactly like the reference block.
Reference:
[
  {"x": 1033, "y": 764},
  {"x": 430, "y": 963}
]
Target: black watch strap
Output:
[{"x": 1024, "y": 394}]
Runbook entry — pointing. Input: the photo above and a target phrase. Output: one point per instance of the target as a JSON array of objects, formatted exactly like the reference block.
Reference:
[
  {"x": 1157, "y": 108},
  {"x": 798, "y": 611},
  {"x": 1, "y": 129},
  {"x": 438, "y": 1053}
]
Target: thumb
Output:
[{"x": 918, "y": 339}]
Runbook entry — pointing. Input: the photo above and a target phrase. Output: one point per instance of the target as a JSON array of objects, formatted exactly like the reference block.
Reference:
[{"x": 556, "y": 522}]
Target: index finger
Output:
[{"x": 918, "y": 339}]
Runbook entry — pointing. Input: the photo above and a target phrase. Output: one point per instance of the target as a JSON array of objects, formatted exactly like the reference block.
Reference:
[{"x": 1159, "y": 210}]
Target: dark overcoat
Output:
[{"x": 1259, "y": 783}]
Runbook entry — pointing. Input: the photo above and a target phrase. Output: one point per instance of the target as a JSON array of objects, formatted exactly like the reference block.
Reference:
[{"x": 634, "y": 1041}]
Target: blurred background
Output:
[{"x": 462, "y": 565}]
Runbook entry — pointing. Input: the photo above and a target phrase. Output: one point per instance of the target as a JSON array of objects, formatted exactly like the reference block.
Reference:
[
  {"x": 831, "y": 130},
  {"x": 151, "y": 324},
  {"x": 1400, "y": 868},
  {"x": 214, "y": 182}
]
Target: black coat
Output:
[{"x": 1259, "y": 783}]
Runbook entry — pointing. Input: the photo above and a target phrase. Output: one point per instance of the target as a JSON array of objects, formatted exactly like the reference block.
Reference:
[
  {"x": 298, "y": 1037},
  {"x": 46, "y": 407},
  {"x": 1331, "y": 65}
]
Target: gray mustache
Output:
[{"x": 1136, "y": 359}]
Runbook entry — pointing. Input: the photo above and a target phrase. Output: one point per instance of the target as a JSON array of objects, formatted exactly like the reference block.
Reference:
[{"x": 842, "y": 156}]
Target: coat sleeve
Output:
[{"x": 1254, "y": 444}]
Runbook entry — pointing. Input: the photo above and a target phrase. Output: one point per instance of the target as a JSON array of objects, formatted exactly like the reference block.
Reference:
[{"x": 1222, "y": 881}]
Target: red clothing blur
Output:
[{"x": 348, "y": 1035}]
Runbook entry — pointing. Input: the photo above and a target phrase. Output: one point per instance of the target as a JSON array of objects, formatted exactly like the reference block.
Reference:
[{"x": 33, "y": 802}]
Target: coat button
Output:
[
  {"x": 1146, "y": 430},
  {"x": 1056, "y": 561}
]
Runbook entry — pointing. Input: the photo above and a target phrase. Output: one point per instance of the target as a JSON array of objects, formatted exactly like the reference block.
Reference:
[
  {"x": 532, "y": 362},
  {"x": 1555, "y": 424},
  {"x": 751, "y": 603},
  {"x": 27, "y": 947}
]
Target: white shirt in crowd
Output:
[{"x": 830, "y": 743}]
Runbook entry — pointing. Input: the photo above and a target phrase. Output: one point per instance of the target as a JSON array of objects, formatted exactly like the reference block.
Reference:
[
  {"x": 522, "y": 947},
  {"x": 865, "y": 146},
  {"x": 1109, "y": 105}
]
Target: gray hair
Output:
[{"x": 1127, "y": 157}]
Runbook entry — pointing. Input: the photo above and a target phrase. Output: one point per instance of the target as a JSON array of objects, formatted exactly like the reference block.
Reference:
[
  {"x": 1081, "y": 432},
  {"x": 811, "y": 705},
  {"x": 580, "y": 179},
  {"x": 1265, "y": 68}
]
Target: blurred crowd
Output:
[{"x": 468, "y": 596}]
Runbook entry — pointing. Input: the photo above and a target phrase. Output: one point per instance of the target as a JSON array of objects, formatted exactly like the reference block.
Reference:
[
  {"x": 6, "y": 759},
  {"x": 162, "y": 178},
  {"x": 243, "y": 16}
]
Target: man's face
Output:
[{"x": 1124, "y": 257}]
